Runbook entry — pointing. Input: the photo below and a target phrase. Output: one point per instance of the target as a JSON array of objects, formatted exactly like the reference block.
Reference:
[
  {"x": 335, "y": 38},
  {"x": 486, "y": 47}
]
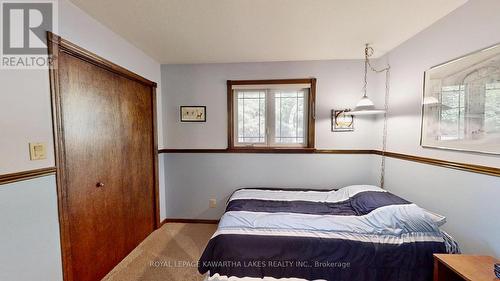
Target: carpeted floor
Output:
[{"x": 168, "y": 254}]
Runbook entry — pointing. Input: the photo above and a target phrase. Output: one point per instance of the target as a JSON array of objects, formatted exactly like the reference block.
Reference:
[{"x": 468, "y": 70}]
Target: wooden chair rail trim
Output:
[
  {"x": 267, "y": 150},
  {"x": 486, "y": 170},
  {"x": 26, "y": 175},
  {"x": 172, "y": 220}
]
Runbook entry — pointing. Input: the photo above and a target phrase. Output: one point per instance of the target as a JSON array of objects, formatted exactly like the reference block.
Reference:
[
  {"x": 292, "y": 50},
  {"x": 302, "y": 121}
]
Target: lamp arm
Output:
[{"x": 368, "y": 53}]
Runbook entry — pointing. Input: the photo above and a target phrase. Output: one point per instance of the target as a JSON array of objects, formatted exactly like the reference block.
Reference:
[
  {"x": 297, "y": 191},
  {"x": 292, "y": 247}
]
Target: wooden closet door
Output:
[{"x": 109, "y": 165}]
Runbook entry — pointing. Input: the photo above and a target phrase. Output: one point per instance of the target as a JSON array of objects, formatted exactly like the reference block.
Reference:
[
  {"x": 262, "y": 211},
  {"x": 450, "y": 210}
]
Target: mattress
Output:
[{"x": 355, "y": 233}]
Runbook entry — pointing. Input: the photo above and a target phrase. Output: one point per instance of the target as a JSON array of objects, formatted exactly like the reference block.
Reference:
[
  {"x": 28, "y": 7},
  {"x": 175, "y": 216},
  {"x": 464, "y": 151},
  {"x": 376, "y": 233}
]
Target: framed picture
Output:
[
  {"x": 193, "y": 113},
  {"x": 342, "y": 121},
  {"x": 461, "y": 103}
]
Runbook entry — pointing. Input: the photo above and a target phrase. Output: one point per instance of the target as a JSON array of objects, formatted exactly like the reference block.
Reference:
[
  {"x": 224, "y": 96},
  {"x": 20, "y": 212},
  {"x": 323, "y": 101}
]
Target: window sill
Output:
[{"x": 271, "y": 150}]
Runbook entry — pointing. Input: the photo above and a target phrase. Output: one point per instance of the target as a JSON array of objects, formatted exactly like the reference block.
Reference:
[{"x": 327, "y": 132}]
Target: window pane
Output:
[
  {"x": 492, "y": 108},
  {"x": 451, "y": 124},
  {"x": 452, "y": 96},
  {"x": 251, "y": 116},
  {"x": 289, "y": 117},
  {"x": 452, "y": 117}
]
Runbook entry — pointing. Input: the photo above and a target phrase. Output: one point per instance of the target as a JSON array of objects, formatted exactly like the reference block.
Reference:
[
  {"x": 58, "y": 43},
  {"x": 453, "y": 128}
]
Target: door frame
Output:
[{"x": 55, "y": 46}]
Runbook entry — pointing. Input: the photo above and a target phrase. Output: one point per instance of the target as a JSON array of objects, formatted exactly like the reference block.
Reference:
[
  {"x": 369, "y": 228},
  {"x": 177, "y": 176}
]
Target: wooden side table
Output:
[{"x": 464, "y": 267}]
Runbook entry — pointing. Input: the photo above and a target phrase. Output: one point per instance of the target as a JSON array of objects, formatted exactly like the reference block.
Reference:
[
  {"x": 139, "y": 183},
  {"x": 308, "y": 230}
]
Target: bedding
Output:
[
  {"x": 437, "y": 218},
  {"x": 355, "y": 233}
]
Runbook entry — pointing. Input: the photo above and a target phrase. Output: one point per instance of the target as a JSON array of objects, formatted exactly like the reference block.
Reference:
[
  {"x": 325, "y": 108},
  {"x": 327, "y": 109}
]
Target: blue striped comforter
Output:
[{"x": 356, "y": 233}]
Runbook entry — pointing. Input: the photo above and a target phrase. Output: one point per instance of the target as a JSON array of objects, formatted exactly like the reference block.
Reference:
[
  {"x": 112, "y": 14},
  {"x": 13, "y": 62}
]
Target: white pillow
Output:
[
  {"x": 352, "y": 190},
  {"x": 436, "y": 218}
]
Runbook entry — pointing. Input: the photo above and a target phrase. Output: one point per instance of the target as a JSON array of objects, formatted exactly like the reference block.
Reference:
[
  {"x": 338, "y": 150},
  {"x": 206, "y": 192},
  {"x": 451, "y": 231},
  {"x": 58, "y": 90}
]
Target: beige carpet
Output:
[{"x": 168, "y": 254}]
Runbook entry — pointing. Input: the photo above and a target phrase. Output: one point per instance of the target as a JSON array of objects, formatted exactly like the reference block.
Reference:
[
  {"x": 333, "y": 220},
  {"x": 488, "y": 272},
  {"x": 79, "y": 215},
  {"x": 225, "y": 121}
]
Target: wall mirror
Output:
[{"x": 461, "y": 103}]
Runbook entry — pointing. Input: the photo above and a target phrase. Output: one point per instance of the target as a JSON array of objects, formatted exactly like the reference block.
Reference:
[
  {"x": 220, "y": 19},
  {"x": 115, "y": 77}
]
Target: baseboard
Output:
[{"x": 173, "y": 220}]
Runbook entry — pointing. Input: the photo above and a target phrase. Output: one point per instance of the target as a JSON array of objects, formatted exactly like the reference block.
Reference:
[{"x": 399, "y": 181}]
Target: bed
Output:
[{"x": 355, "y": 233}]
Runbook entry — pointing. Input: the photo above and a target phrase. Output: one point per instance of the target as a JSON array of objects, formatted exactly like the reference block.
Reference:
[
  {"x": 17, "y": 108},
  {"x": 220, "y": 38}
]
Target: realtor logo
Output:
[{"x": 24, "y": 28}]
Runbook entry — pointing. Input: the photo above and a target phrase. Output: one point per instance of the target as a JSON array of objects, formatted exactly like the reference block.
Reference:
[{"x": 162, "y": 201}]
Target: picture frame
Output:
[
  {"x": 460, "y": 104},
  {"x": 342, "y": 121},
  {"x": 193, "y": 113}
]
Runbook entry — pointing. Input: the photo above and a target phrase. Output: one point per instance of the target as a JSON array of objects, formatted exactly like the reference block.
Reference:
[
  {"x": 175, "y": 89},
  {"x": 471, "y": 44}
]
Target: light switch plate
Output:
[{"x": 38, "y": 151}]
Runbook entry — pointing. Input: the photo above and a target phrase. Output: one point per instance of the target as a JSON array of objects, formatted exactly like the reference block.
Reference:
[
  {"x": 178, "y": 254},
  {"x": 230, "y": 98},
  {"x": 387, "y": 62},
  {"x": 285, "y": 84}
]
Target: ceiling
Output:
[{"x": 208, "y": 31}]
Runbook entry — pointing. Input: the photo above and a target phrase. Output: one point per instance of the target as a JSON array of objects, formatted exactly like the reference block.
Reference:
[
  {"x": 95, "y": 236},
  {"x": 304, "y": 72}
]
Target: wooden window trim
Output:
[{"x": 311, "y": 113}]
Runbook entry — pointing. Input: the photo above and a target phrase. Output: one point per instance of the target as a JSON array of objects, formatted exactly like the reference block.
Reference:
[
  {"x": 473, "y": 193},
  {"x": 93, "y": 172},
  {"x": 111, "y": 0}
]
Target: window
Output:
[
  {"x": 461, "y": 115},
  {"x": 492, "y": 108},
  {"x": 452, "y": 114},
  {"x": 271, "y": 114}
]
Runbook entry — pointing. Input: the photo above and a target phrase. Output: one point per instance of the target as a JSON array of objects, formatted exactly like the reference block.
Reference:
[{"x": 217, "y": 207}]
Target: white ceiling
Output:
[{"x": 206, "y": 31}]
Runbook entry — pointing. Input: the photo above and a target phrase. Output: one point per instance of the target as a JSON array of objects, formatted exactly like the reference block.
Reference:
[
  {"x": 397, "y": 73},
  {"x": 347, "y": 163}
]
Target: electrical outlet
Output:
[
  {"x": 38, "y": 151},
  {"x": 212, "y": 203}
]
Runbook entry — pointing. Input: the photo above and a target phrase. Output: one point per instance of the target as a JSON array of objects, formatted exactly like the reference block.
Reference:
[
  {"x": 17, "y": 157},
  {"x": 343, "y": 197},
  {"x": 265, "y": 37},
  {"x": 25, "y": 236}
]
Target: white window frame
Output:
[
  {"x": 270, "y": 132},
  {"x": 236, "y": 123},
  {"x": 272, "y": 118}
]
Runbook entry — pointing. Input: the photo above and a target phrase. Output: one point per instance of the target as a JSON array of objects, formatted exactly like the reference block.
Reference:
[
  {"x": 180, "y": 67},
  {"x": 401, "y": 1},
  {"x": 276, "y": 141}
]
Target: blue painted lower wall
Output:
[
  {"x": 468, "y": 200},
  {"x": 29, "y": 231},
  {"x": 192, "y": 179}
]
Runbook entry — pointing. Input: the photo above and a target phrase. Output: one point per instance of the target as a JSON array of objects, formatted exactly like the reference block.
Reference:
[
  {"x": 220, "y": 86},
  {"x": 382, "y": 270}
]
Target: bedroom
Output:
[{"x": 70, "y": 177}]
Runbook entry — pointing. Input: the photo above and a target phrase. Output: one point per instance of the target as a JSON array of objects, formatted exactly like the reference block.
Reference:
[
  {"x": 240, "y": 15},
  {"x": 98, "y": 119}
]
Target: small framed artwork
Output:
[
  {"x": 193, "y": 114},
  {"x": 342, "y": 121}
]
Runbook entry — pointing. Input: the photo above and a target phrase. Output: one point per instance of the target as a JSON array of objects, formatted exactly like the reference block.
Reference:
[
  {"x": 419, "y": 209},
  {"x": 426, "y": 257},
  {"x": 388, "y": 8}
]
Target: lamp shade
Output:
[
  {"x": 366, "y": 107},
  {"x": 365, "y": 101}
]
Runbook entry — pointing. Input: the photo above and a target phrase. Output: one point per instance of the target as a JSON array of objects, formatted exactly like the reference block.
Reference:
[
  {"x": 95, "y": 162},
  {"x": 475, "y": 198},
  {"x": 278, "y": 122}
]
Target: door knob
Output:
[{"x": 99, "y": 184}]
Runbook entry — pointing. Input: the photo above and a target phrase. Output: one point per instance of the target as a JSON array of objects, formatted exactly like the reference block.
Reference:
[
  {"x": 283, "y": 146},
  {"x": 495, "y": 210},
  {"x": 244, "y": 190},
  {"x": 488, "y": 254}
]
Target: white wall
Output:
[
  {"x": 470, "y": 201},
  {"x": 339, "y": 86},
  {"x": 25, "y": 116},
  {"x": 471, "y": 27},
  {"x": 192, "y": 179}
]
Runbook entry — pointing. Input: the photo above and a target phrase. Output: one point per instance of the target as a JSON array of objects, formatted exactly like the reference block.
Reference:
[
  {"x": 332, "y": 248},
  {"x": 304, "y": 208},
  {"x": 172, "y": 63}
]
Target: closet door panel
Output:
[{"x": 108, "y": 138}]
